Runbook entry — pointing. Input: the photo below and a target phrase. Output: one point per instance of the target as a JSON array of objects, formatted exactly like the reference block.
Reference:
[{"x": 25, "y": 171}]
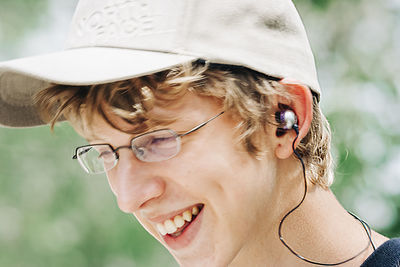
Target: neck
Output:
[{"x": 320, "y": 230}]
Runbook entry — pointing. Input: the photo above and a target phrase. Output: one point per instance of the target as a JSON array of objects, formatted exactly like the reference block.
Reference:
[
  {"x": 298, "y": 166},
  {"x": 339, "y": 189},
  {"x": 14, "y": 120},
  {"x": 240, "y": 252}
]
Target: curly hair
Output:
[{"x": 246, "y": 94}]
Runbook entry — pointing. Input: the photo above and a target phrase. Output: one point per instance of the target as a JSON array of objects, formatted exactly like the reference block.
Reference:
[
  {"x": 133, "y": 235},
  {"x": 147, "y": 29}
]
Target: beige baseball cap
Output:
[{"x": 113, "y": 40}]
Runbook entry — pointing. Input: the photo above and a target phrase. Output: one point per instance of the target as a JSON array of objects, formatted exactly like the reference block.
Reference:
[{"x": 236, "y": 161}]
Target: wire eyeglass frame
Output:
[{"x": 140, "y": 151}]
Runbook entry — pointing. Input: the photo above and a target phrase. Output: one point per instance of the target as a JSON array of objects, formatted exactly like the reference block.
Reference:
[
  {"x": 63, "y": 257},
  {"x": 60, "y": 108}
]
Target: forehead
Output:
[{"x": 179, "y": 115}]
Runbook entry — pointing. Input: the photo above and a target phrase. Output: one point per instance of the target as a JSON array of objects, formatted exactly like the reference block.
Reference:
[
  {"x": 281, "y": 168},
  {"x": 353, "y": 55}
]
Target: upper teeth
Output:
[{"x": 171, "y": 225}]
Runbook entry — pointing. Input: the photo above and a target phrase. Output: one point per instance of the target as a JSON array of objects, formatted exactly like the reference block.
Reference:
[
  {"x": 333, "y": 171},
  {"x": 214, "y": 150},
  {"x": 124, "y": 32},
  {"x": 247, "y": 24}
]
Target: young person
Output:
[{"x": 205, "y": 117}]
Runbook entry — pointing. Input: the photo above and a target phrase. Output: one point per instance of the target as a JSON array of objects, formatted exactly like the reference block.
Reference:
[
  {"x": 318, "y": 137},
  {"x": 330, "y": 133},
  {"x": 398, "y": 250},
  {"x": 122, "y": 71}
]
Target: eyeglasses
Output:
[{"x": 155, "y": 146}]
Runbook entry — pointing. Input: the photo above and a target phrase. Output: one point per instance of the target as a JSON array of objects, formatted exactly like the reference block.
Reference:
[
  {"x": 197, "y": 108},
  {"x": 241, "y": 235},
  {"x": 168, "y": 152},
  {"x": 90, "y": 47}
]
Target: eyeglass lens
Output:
[
  {"x": 150, "y": 147},
  {"x": 156, "y": 146},
  {"x": 96, "y": 158}
]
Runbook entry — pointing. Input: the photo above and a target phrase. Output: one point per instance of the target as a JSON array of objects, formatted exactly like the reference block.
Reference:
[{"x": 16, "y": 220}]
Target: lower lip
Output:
[{"x": 187, "y": 236}]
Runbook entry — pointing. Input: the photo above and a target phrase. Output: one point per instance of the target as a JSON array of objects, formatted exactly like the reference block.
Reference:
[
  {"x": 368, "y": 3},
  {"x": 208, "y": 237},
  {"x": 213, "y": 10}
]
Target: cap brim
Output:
[{"x": 20, "y": 79}]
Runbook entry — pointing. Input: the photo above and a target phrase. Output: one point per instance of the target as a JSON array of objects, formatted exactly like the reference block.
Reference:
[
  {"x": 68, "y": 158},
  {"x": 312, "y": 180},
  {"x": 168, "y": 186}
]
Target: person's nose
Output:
[{"x": 134, "y": 183}]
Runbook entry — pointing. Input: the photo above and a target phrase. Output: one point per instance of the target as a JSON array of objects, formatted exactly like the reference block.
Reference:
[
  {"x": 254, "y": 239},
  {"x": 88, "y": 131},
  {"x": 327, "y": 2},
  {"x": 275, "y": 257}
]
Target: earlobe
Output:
[{"x": 301, "y": 103}]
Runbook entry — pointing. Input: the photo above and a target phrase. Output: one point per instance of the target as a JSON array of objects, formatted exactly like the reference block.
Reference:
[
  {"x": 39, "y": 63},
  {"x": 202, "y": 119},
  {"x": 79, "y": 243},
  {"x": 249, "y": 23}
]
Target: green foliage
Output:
[
  {"x": 17, "y": 17},
  {"x": 322, "y": 4},
  {"x": 51, "y": 214}
]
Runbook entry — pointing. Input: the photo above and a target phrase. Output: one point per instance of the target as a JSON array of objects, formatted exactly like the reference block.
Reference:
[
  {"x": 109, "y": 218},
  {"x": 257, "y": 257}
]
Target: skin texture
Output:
[{"x": 244, "y": 198}]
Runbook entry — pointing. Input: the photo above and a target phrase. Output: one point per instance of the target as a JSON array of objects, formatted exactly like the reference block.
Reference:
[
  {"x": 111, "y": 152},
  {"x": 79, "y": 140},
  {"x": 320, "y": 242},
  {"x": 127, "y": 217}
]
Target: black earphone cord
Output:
[{"x": 363, "y": 223}]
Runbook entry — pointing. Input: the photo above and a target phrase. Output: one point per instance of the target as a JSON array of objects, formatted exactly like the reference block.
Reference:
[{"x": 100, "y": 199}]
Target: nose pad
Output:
[{"x": 134, "y": 183}]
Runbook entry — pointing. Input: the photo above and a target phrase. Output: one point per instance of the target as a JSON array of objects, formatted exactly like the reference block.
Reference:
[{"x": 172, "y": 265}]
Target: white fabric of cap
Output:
[{"x": 113, "y": 40}]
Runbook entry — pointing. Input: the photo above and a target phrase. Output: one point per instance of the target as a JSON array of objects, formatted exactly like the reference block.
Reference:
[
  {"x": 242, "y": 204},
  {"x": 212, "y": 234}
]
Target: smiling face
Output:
[{"x": 208, "y": 204}]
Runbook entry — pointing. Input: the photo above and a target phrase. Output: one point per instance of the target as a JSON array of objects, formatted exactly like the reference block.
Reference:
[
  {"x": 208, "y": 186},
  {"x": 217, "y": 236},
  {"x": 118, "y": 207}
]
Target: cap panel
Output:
[
  {"x": 267, "y": 36},
  {"x": 137, "y": 24}
]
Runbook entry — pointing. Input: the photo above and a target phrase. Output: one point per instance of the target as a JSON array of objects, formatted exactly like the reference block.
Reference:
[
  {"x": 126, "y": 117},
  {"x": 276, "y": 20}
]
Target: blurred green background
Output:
[{"x": 52, "y": 214}]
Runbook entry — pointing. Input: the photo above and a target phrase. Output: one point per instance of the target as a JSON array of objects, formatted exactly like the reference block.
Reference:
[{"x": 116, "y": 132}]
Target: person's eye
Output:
[
  {"x": 105, "y": 154},
  {"x": 163, "y": 142},
  {"x": 160, "y": 140}
]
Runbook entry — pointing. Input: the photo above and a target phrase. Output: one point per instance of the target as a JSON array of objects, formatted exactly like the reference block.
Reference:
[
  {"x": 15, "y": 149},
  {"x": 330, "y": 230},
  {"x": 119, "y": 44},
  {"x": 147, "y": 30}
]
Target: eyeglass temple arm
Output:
[{"x": 201, "y": 125}]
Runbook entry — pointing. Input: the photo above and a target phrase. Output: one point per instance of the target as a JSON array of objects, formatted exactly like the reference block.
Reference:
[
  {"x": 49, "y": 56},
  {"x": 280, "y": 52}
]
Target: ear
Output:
[{"x": 301, "y": 102}]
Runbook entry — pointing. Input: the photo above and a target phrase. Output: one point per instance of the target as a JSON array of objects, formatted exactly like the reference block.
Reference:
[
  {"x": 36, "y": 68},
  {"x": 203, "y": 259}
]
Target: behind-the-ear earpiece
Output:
[{"x": 287, "y": 119}]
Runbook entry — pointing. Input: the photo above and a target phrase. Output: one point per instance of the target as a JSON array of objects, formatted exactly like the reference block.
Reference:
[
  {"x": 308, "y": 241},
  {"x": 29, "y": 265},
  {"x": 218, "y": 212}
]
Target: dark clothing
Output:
[{"x": 387, "y": 255}]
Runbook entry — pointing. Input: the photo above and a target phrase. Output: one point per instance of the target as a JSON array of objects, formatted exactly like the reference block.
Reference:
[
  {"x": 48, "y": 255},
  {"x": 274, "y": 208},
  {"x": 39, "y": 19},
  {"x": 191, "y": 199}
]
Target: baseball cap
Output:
[{"x": 112, "y": 40}]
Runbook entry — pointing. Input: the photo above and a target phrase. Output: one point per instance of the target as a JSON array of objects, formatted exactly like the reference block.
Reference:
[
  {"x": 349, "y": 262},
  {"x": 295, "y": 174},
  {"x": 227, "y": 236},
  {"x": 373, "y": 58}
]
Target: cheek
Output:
[
  {"x": 237, "y": 190},
  {"x": 234, "y": 183},
  {"x": 221, "y": 166}
]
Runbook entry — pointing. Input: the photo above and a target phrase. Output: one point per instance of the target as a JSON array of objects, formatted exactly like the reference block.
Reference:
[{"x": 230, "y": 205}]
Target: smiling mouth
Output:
[{"x": 175, "y": 226}]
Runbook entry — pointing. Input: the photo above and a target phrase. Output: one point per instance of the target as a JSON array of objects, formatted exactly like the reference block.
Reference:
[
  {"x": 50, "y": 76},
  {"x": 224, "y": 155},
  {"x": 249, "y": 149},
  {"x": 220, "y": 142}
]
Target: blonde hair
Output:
[{"x": 246, "y": 94}]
